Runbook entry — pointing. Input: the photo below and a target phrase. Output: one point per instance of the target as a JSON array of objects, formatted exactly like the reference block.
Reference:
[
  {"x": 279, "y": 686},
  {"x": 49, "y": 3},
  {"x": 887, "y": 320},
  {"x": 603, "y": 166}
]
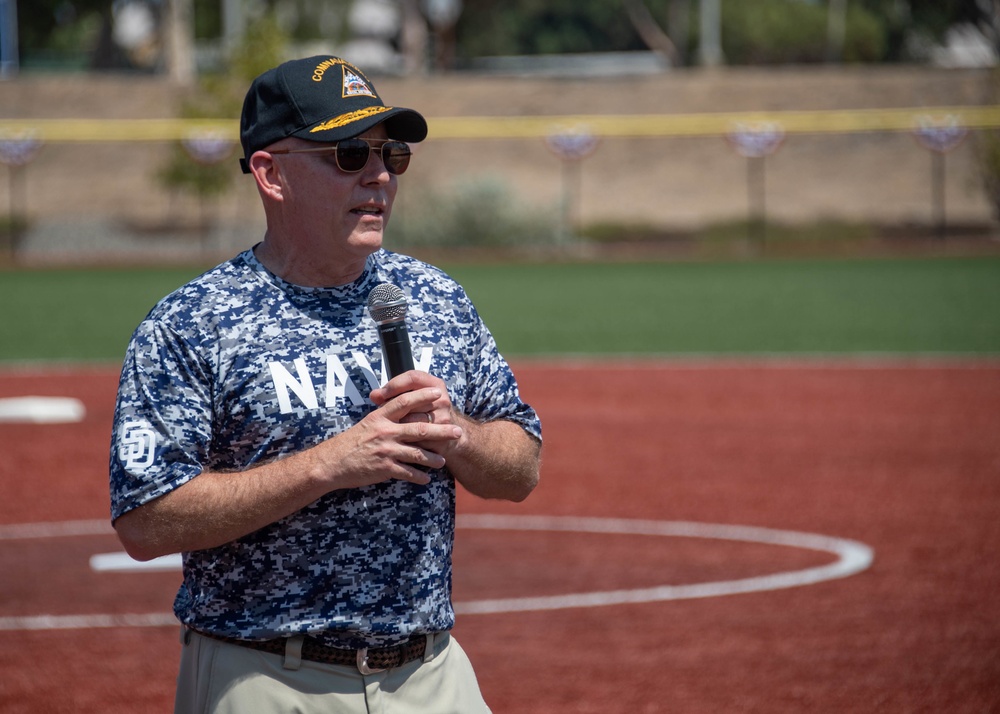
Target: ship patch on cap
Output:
[{"x": 355, "y": 86}]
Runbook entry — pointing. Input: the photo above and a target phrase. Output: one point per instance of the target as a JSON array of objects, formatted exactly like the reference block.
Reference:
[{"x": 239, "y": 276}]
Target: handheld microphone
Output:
[{"x": 387, "y": 307}]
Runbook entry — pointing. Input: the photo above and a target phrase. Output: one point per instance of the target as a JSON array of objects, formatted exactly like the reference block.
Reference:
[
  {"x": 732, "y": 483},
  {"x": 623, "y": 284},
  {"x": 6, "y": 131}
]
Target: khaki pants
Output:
[{"x": 221, "y": 678}]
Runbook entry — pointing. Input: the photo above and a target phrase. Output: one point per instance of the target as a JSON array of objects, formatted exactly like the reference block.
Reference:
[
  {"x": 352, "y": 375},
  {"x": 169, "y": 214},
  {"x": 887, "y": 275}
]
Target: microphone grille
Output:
[{"x": 386, "y": 302}]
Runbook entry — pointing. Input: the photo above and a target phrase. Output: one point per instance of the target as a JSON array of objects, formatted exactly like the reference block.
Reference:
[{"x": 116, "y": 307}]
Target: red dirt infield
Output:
[{"x": 903, "y": 457}]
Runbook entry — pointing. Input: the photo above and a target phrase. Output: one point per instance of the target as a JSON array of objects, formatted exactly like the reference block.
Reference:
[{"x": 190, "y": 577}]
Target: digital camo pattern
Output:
[{"x": 239, "y": 368}]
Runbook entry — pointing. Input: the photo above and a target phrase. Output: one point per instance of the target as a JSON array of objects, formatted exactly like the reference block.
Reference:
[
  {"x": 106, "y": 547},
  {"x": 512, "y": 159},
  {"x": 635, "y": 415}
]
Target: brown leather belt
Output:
[{"x": 367, "y": 660}]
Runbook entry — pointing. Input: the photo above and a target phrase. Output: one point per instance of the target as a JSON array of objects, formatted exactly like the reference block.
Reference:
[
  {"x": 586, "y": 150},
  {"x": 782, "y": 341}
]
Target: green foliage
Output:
[
  {"x": 262, "y": 48},
  {"x": 220, "y": 96},
  {"x": 758, "y": 32},
  {"x": 207, "y": 18},
  {"x": 513, "y": 27},
  {"x": 791, "y": 31},
  {"x": 989, "y": 163},
  {"x": 930, "y": 17},
  {"x": 878, "y": 29},
  {"x": 327, "y": 21},
  {"x": 866, "y": 39},
  {"x": 472, "y": 214},
  {"x": 48, "y": 25},
  {"x": 13, "y": 229},
  {"x": 772, "y": 31},
  {"x": 68, "y": 38},
  {"x": 988, "y": 150},
  {"x": 200, "y": 179}
]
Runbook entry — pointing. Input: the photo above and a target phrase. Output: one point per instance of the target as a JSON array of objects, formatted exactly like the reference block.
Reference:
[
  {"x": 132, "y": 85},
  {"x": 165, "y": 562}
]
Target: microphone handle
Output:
[
  {"x": 397, "y": 353},
  {"x": 396, "y": 350}
]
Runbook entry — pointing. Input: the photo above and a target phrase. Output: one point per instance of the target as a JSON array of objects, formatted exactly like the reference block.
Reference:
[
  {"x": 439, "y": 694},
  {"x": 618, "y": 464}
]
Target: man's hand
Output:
[
  {"x": 495, "y": 459},
  {"x": 398, "y": 437},
  {"x": 438, "y": 411}
]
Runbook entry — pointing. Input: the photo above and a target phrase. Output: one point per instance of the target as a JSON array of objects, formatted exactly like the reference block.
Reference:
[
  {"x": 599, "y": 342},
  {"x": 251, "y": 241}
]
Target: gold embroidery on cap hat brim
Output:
[{"x": 349, "y": 118}]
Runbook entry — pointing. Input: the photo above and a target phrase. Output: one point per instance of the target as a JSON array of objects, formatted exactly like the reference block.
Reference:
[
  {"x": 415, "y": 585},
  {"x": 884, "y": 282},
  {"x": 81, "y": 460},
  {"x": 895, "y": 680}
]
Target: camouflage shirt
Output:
[{"x": 239, "y": 368}]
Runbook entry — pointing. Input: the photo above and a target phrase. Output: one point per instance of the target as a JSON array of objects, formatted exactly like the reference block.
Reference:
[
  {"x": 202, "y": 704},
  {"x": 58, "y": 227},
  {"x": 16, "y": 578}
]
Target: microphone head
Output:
[{"x": 386, "y": 303}]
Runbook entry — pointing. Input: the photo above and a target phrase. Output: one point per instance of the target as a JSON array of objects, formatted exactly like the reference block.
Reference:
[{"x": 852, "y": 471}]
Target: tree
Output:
[
  {"x": 526, "y": 27},
  {"x": 413, "y": 38},
  {"x": 988, "y": 151},
  {"x": 932, "y": 18},
  {"x": 649, "y": 30},
  {"x": 178, "y": 32},
  {"x": 200, "y": 165},
  {"x": 791, "y": 31}
]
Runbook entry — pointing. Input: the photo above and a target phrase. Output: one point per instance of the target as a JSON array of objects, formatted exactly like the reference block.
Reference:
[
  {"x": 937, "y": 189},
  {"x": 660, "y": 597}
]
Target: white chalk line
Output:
[
  {"x": 87, "y": 622},
  {"x": 852, "y": 558},
  {"x": 41, "y": 410}
]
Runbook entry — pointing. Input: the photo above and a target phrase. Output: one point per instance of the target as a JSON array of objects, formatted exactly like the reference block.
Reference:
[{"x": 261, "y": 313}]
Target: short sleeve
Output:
[{"x": 163, "y": 418}]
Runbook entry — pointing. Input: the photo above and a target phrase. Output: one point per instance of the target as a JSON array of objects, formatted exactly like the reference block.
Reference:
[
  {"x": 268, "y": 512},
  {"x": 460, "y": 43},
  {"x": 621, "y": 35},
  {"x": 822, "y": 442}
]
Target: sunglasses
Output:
[{"x": 352, "y": 155}]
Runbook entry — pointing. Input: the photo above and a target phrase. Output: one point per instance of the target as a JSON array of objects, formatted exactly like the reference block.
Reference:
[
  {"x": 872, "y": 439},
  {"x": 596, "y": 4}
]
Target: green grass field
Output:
[{"x": 943, "y": 305}]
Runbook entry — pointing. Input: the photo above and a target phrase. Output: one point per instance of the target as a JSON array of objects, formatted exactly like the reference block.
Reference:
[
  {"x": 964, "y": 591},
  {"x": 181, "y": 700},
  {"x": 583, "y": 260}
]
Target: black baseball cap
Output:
[{"x": 323, "y": 98}]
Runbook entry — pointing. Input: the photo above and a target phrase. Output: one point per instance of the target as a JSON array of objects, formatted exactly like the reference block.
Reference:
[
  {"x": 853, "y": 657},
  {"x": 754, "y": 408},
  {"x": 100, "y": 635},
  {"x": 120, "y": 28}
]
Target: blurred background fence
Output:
[
  {"x": 641, "y": 158},
  {"x": 782, "y": 125}
]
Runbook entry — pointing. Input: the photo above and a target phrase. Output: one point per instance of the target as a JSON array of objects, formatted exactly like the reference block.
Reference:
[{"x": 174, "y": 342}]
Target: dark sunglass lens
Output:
[
  {"x": 396, "y": 156},
  {"x": 352, "y": 155}
]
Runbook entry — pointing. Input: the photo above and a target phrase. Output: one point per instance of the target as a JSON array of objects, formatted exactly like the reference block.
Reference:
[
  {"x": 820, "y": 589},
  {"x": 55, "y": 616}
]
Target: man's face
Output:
[{"x": 328, "y": 209}]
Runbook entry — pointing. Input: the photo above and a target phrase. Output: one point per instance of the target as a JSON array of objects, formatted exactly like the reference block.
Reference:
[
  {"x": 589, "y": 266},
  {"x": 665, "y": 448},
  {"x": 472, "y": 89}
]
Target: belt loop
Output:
[
  {"x": 185, "y": 635},
  {"x": 293, "y": 653},
  {"x": 433, "y": 639}
]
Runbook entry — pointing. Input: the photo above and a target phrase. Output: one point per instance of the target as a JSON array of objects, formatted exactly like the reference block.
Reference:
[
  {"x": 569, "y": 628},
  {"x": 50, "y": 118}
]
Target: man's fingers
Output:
[
  {"x": 417, "y": 474},
  {"x": 419, "y": 418},
  {"x": 418, "y": 463},
  {"x": 423, "y": 431},
  {"x": 420, "y": 400},
  {"x": 411, "y": 381}
]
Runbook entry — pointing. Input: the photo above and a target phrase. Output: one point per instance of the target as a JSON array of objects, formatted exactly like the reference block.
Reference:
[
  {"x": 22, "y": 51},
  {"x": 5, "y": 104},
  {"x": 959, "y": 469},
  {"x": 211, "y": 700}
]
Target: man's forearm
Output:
[
  {"x": 215, "y": 508},
  {"x": 497, "y": 460}
]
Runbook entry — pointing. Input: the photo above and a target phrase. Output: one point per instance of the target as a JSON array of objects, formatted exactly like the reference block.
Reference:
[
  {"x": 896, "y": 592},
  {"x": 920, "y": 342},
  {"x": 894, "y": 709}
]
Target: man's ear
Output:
[{"x": 265, "y": 172}]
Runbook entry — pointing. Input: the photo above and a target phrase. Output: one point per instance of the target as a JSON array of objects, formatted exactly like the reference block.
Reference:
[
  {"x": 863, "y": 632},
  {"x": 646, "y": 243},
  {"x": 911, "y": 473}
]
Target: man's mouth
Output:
[{"x": 367, "y": 210}]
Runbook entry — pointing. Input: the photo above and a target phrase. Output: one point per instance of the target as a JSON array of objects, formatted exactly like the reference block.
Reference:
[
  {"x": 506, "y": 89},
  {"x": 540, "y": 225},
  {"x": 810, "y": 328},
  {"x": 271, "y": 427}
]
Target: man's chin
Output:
[{"x": 369, "y": 241}]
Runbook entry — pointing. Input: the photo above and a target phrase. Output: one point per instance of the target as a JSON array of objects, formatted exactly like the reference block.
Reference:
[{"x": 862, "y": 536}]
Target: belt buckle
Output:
[{"x": 362, "y": 661}]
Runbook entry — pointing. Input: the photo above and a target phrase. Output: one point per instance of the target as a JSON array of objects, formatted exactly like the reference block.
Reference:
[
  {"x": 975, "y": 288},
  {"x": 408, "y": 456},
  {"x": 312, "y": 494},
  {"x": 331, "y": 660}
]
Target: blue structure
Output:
[{"x": 8, "y": 39}]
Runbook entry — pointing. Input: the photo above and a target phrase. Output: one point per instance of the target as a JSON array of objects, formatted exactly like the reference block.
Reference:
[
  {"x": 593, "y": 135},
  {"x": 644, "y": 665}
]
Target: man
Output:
[{"x": 313, "y": 504}]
